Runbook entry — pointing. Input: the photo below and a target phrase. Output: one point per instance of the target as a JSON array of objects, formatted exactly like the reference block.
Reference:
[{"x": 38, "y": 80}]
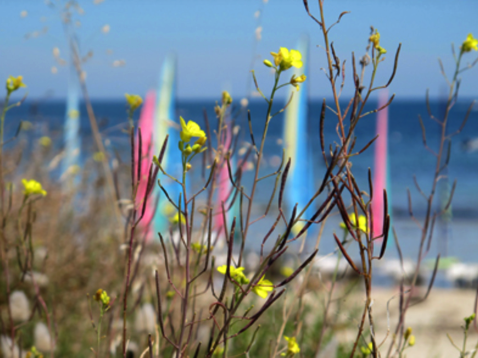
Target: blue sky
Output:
[{"x": 214, "y": 42}]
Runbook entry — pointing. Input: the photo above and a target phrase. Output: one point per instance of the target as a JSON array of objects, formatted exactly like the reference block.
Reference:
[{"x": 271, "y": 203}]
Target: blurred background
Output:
[{"x": 217, "y": 43}]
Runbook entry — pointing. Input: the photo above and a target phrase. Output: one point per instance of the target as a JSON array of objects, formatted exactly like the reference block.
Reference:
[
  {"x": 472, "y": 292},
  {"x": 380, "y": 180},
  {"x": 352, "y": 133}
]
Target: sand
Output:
[{"x": 431, "y": 320}]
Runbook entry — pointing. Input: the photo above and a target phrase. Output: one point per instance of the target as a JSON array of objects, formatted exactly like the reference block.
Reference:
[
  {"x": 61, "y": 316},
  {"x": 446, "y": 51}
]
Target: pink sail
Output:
[
  {"x": 380, "y": 164},
  {"x": 146, "y": 123},
  {"x": 224, "y": 187}
]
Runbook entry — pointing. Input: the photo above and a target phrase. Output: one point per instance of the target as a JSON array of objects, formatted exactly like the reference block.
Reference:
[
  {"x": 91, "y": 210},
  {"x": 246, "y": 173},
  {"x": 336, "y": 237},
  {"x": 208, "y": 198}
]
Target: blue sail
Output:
[
  {"x": 71, "y": 129},
  {"x": 299, "y": 185},
  {"x": 166, "y": 123}
]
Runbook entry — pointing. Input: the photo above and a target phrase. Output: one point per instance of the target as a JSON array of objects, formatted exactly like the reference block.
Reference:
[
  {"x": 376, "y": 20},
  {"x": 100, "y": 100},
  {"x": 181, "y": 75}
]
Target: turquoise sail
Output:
[
  {"x": 71, "y": 130},
  {"x": 166, "y": 123},
  {"x": 299, "y": 185}
]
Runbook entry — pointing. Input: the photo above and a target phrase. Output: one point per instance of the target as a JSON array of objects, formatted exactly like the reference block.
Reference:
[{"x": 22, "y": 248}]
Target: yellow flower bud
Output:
[
  {"x": 105, "y": 298},
  {"x": 196, "y": 148},
  {"x": 188, "y": 166},
  {"x": 381, "y": 50},
  {"x": 98, "y": 294},
  {"x": 188, "y": 150},
  {"x": 170, "y": 294},
  {"x": 199, "y": 144},
  {"x": 268, "y": 63},
  {"x": 375, "y": 39},
  {"x": 226, "y": 98},
  {"x": 217, "y": 110},
  {"x": 201, "y": 141},
  {"x": 411, "y": 341},
  {"x": 178, "y": 218},
  {"x": 407, "y": 333},
  {"x": 277, "y": 58}
]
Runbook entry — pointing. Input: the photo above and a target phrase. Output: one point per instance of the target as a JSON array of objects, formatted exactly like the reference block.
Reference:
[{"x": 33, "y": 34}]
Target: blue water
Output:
[{"x": 407, "y": 155}]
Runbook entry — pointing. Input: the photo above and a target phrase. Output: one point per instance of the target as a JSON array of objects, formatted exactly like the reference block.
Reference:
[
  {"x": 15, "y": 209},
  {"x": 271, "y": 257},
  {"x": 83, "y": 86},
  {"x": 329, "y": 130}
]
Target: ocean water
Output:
[{"x": 407, "y": 158}]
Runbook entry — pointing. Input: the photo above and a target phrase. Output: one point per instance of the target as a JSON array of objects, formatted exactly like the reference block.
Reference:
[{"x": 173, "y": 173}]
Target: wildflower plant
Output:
[
  {"x": 228, "y": 305},
  {"x": 103, "y": 300},
  {"x": 208, "y": 302},
  {"x": 292, "y": 347}
]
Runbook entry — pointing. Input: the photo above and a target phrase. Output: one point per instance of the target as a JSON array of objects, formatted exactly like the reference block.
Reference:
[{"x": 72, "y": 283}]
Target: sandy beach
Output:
[{"x": 431, "y": 320}]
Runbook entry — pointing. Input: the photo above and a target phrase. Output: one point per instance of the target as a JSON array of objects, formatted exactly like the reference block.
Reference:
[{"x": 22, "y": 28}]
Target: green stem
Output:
[
  {"x": 99, "y": 332},
  {"x": 2, "y": 122}
]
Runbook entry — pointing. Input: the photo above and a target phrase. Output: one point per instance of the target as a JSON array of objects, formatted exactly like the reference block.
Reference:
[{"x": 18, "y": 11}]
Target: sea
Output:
[{"x": 408, "y": 158}]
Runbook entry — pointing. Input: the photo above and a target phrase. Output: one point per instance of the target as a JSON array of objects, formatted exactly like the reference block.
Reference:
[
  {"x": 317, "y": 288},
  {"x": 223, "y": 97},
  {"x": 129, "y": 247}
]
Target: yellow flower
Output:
[
  {"x": 298, "y": 227},
  {"x": 45, "y": 141},
  {"x": 178, "y": 217},
  {"x": 218, "y": 352},
  {"x": 32, "y": 187},
  {"x": 170, "y": 294},
  {"x": 189, "y": 130},
  {"x": 102, "y": 296},
  {"x": 286, "y": 59},
  {"x": 34, "y": 353},
  {"x": 299, "y": 79},
  {"x": 196, "y": 246},
  {"x": 14, "y": 83},
  {"x": 469, "y": 44},
  {"x": 286, "y": 271},
  {"x": 73, "y": 114},
  {"x": 295, "y": 80},
  {"x": 263, "y": 288},
  {"x": 26, "y": 125},
  {"x": 236, "y": 274},
  {"x": 362, "y": 223},
  {"x": 375, "y": 39},
  {"x": 292, "y": 346},
  {"x": 367, "y": 350},
  {"x": 134, "y": 101},
  {"x": 98, "y": 157}
]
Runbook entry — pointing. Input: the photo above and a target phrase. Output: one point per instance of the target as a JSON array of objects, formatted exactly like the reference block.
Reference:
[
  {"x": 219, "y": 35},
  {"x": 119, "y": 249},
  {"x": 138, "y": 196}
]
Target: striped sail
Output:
[
  {"x": 71, "y": 129},
  {"x": 165, "y": 124},
  {"x": 380, "y": 175},
  {"x": 299, "y": 185},
  {"x": 225, "y": 191},
  {"x": 146, "y": 123}
]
